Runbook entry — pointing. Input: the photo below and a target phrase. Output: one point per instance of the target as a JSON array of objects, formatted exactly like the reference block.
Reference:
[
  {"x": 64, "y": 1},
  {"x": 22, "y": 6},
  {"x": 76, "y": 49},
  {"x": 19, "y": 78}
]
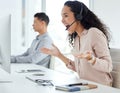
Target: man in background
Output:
[{"x": 33, "y": 54}]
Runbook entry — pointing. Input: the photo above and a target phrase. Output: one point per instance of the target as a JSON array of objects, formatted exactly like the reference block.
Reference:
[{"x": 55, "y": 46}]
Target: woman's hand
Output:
[
  {"x": 86, "y": 55},
  {"x": 54, "y": 51}
]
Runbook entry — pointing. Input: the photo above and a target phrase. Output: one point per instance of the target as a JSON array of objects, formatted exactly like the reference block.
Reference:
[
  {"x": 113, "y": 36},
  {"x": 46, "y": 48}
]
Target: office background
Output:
[
  {"x": 22, "y": 34},
  {"x": 22, "y": 12}
]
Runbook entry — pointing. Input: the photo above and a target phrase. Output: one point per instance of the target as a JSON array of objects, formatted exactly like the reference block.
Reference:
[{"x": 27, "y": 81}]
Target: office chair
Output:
[
  {"x": 52, "y": 63},
  {"x": 115, "y": 55}
]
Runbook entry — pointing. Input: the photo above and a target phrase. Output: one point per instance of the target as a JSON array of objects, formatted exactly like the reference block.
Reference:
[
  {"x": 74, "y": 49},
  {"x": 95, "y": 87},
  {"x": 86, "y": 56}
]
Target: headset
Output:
[{"x": 79, "y": 16}]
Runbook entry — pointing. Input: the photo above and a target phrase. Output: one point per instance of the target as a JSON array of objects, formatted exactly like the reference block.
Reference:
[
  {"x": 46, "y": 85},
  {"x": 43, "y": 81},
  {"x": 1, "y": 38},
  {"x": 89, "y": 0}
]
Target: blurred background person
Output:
[{"x": 33, "y": 55}]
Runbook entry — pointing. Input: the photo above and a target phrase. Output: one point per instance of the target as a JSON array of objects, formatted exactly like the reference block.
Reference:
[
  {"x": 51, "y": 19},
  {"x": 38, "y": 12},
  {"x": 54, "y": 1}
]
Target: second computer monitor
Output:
[{"x": 5, "y": 41}]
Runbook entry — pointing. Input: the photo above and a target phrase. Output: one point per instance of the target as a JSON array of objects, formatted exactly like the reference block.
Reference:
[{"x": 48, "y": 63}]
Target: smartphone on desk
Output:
[{"x": 29, "y": 70}]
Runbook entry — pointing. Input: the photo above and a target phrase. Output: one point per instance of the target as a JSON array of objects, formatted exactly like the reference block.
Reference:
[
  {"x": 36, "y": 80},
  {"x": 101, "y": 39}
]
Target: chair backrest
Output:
[
  {"x": 115, "y": 55},
  {"x": 52, "y": 62}
]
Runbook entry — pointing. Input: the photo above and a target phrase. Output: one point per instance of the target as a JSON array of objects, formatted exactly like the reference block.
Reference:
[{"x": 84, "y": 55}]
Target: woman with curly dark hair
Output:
[{"x": 89, "y": 36}]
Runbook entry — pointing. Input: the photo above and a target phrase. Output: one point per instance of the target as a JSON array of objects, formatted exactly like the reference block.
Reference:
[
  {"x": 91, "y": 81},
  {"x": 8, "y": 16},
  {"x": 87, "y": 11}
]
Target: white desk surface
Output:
[{"x": 20, "y": 84}]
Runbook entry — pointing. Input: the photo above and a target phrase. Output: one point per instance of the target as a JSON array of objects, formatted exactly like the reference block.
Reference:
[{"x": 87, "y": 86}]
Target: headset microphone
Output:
[{"x": 70, "y": 25}]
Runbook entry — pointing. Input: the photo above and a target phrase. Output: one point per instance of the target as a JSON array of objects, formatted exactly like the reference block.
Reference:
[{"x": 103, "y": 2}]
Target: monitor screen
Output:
[{"x": 5, "y": 38}]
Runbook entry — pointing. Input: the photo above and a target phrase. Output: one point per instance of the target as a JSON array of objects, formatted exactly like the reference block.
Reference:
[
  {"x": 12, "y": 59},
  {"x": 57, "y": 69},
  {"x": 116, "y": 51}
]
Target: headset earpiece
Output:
[{"x": 79, "y": 16}]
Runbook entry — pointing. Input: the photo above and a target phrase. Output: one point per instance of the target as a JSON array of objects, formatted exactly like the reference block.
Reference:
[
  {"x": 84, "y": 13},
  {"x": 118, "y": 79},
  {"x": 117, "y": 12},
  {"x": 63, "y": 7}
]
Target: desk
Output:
[{"x": 20, "y": 84}]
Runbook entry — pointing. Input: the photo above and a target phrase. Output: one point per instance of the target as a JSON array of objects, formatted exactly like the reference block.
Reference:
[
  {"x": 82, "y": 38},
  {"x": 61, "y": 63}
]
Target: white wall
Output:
[
  {"x": 16, "y": 33},
  {"x": 108, "y": 11},
  {"x": 20, "y": 42},
  {"x": 32, "y": 7},
  {"x": 14, "y": 8}
]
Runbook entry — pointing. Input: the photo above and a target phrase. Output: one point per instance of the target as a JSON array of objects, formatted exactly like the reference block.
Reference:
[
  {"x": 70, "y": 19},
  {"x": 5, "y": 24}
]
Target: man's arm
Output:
[
  {"x": 36, "y": 56},
  {"x": 13, "y": 58}
]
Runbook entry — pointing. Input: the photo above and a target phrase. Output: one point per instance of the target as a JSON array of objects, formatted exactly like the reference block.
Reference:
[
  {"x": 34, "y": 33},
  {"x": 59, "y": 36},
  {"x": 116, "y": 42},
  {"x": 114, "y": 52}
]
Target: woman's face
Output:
[{"x": 68, "y": 18}]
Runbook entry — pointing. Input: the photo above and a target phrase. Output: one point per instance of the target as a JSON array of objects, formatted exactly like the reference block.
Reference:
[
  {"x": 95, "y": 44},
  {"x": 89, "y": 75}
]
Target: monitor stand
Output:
[{"x": 5, "y": 77}]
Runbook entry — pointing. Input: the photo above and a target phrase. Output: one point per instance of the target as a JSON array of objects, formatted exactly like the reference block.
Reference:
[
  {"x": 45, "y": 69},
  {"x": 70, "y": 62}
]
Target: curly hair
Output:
[{"x": 89, "y": 19}]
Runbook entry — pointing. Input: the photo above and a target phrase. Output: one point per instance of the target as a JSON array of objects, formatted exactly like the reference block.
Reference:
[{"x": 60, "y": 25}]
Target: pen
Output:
[{"x": 77, "y": 84}]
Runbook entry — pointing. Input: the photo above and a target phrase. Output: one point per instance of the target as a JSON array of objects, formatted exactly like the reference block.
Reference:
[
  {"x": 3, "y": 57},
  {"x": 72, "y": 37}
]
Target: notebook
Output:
[{"x": 76, "y": 87}]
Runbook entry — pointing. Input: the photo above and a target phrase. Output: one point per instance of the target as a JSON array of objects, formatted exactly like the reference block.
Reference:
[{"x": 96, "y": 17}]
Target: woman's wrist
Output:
[
  {"x": 59, "y": 55},
  {"x": 92, "y": 60},
  {"x": 68, "y": 62}
]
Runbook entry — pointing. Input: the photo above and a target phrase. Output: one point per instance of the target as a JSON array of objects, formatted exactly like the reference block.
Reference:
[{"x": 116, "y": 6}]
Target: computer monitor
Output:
[{"x": 5, "y": 41}]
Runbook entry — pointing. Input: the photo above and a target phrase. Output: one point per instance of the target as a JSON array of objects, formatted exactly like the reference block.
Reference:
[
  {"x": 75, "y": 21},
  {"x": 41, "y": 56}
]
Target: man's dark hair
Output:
[{"x": 42, "y": 16}]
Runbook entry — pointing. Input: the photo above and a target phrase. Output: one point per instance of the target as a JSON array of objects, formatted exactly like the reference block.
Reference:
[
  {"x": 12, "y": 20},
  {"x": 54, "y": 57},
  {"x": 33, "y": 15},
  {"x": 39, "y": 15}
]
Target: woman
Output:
[{"x": 89, "y": 36}]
